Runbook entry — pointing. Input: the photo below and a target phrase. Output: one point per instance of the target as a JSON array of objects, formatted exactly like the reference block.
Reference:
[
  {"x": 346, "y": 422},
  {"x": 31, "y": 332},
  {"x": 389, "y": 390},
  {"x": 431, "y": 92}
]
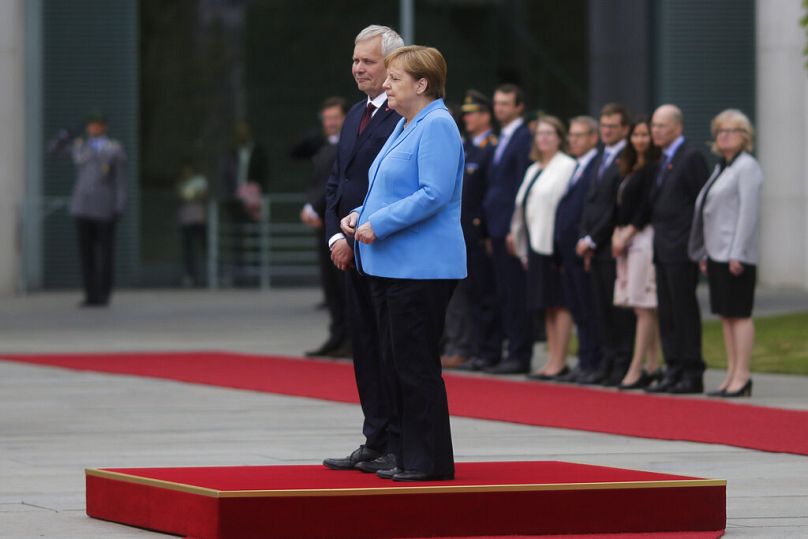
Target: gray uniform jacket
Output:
[
  {"x": 726, "y": 227},
  {"x": 100, "y": 188}
]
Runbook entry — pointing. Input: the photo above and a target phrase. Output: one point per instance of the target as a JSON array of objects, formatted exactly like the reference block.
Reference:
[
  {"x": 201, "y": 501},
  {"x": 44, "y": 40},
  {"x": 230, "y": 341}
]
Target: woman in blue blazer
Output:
[{"x": 410, "y": 243}]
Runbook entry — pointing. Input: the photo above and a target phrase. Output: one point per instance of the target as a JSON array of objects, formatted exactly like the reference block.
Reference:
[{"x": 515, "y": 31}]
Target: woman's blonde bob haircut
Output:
[
  {"x": 733, "y": 118},
  {"x": 422, "y": 63}
]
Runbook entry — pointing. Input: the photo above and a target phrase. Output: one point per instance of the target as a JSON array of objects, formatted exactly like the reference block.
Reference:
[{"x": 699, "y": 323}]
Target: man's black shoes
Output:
[
  {"x": 363, "y": 454},
  {"x": 384, "y": 462}
]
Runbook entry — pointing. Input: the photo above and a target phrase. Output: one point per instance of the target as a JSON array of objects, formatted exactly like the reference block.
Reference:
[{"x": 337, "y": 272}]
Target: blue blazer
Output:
[
  {"x": 347, "y": 184},
  {"x": 413, "y": 201},
  {"x": 504, "y": 179}
]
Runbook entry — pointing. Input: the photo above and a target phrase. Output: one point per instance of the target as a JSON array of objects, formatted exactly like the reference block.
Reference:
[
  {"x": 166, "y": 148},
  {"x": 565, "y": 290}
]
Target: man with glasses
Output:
[{"x": 615, "y": 326}]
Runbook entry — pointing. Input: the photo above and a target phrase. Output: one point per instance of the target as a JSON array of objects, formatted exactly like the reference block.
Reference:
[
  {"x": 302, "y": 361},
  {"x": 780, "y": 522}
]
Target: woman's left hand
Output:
[
  {"x": 365, "y": 234},
  {"x": 735, "y": 267}
]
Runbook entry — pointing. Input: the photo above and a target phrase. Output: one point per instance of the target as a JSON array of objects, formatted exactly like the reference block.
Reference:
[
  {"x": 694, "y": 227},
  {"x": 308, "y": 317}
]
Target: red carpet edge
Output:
[{"x": 528, "y": 403}]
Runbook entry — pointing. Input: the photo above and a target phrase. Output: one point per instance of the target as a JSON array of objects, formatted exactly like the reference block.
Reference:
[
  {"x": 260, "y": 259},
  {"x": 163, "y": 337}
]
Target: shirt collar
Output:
[
  {"x": 670, "y": 151},
  {"x": 586, "y": 158},
  {"x": 508, "y": 130},
  {"x": 478, "y": 140},
  {"x": 378, "y": 101},
  {"x": 616, "y": 147}
]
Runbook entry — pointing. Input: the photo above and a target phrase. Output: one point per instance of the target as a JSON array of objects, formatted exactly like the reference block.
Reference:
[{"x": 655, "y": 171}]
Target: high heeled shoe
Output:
[
  {"x": 745, "y": 391},
  {"x": 716, "y": 393},
  {"x": 642, "y": 382}
]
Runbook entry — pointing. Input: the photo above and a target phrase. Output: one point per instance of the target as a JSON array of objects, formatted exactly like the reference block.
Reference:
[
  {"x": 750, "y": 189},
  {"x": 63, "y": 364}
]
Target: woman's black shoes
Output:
[
  {"x": 642, "y": 382},
  {"x": 745, "y": 391}
]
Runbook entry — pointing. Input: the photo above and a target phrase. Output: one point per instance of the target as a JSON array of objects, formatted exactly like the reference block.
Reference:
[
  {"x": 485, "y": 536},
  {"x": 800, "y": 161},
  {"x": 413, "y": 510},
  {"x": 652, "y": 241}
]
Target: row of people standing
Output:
[{"x": 599, "y": 238}]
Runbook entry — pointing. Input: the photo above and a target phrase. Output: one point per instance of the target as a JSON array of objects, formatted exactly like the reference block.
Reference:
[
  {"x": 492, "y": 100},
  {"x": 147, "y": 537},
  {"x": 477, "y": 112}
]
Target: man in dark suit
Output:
[
  {"x": 321, "y": 148},
  {"x": 367, "y": 126},
  {"x": 473, "y": 328},
  {"x": 681, "y": 175},
  {"x": 508, "y": 165},
  {"x": 615, "y": 325},
  {"x": 583, "y": 140}
]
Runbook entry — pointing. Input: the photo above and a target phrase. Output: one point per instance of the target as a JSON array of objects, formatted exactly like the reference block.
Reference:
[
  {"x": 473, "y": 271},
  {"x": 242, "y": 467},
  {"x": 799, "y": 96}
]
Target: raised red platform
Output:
[{"x": 485, "y": 499}]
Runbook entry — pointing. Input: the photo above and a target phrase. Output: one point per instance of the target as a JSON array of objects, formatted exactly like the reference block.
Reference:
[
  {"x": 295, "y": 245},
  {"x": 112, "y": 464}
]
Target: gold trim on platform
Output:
[{"x": 292, "y": 493}]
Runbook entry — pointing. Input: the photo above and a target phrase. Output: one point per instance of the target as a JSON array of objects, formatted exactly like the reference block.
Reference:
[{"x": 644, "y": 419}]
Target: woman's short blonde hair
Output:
[
  {"x": 738, "y": 120},
  {"x": 422, "y": 63},
  {"x": 561, "y": 132}
]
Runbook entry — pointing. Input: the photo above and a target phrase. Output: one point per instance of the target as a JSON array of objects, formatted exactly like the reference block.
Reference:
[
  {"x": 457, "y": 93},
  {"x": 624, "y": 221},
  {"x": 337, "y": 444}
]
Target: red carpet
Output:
[
  {"x": 546, "y": 405},
  {"x": 485, "y": 499}
]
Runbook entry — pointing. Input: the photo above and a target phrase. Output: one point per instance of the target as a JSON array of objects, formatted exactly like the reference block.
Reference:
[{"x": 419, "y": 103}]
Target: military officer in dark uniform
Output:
[{"x": 473, "y": 329}]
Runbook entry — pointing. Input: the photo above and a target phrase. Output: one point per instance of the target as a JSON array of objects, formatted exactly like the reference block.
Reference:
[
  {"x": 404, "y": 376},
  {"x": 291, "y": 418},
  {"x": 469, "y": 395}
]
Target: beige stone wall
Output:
[
  {"x": 12, "y": 135},
  {"x": 782, "y": 142}
]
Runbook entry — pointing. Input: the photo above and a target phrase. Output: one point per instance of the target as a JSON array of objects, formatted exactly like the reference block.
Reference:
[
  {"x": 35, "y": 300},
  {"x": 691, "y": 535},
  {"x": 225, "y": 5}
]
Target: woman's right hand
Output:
[
  {"x": 703, "y": 265},
  {"x": 348, "y": 223},
  {"x": 509, "y": 245}
]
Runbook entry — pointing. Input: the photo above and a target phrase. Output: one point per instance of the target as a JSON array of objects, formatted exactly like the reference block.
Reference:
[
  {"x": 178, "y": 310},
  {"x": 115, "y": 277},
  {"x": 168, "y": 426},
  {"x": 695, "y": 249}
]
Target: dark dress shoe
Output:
[
  {"x": 589, "y": 378},
  {"x": 476, "y": 364},
  {"x": 344, "y": 350},
  {"x": 510, "y": 366},
  {"x": 327, "y": 347},
  {"x": 663, "y": 386},
  {"x": 421, "y": 476},
  {"x": 385, "y": 462},
  {"x": 716, "y": 393},
  {"x": 687, "y": 386},
  {"x": 364, "y": 453},
  {"x": 389, "y": 473}
]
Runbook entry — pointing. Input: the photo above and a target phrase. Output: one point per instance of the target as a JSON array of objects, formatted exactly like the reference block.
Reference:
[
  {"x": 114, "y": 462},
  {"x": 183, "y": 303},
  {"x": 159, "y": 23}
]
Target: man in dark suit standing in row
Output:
[
  {"x": 583, "y": 140},
  {"x": 322, "y": 150},
  {"x": 509, "y": 163},
  {"x": 615, "y": 325},
  {"x": 367, "y": 126},
  {"x": 473, "y": 328},
  {"x": 681, "y": 175}
]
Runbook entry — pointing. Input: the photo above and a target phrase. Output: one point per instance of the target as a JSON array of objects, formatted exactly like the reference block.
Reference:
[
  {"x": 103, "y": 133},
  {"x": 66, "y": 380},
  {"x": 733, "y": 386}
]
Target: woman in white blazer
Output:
[
  {"x": 531, "y": 239},
  {"x": 723, "y": 240}
]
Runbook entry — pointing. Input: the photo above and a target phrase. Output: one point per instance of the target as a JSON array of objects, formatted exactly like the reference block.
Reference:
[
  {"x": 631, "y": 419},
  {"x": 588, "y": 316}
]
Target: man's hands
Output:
[{"x": 342, "y": 255}]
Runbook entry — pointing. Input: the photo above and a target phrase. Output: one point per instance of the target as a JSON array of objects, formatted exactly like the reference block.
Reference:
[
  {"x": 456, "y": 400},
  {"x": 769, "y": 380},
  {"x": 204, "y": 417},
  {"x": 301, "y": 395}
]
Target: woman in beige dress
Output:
[{"x": 632, "y": 246}]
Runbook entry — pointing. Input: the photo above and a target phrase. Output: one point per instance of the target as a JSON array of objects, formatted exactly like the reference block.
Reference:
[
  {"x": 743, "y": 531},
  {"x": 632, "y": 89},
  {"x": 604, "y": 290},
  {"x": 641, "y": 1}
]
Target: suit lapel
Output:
[{"x": 383, "y": 113}]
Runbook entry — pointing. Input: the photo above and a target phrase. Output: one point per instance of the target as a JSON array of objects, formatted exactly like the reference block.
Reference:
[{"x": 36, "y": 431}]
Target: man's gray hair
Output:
[
  {"x": 390, "y": 38},
  {"x": 588, "y": 121}
]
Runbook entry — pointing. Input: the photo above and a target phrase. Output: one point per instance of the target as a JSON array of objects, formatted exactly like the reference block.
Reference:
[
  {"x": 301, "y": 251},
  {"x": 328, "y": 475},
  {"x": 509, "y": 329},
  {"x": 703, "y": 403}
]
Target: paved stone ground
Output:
[{"x": 56, "y": 422}]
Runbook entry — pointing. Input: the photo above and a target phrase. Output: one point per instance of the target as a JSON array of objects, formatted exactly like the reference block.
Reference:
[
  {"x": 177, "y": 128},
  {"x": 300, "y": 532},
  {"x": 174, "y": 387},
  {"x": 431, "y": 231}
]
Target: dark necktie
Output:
[
  {"x": 604, "y": 164},
  {"x": 363, "y": 123},
  {"x": 662, "y": 170}
]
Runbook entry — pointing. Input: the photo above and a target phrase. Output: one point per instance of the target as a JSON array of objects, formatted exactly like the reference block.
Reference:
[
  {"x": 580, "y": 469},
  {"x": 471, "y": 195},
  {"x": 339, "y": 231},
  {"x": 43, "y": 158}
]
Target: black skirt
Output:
[
  {"x": 545, "y": 285},
  {"x": 731, "y": 296}
]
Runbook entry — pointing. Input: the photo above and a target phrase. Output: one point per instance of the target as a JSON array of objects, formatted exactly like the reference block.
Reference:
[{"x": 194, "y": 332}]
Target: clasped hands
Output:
[{"x": 363, "y": 234}]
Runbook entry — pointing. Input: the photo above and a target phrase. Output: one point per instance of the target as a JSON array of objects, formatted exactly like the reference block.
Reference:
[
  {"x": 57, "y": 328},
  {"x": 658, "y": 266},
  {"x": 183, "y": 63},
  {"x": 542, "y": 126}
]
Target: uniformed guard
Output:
[
  {"x": 473, "y": 329},
  {"x": 97, "y": 202}
]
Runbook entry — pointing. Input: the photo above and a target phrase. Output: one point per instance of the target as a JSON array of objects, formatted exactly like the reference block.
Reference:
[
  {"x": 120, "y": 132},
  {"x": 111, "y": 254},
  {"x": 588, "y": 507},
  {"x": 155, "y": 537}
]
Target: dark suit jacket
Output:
[
  {"x": 504, "y": 179},
  {"x": 322, "y": 162},
  {"x": 570, "y": 211},
  {"x": 598, "y": 217},
  {"x": 672, "y": 204},
  {"x": 478, "y": 159},
  {"x": 348, "y": 182},
  {"x": 257, "y": 170}
]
